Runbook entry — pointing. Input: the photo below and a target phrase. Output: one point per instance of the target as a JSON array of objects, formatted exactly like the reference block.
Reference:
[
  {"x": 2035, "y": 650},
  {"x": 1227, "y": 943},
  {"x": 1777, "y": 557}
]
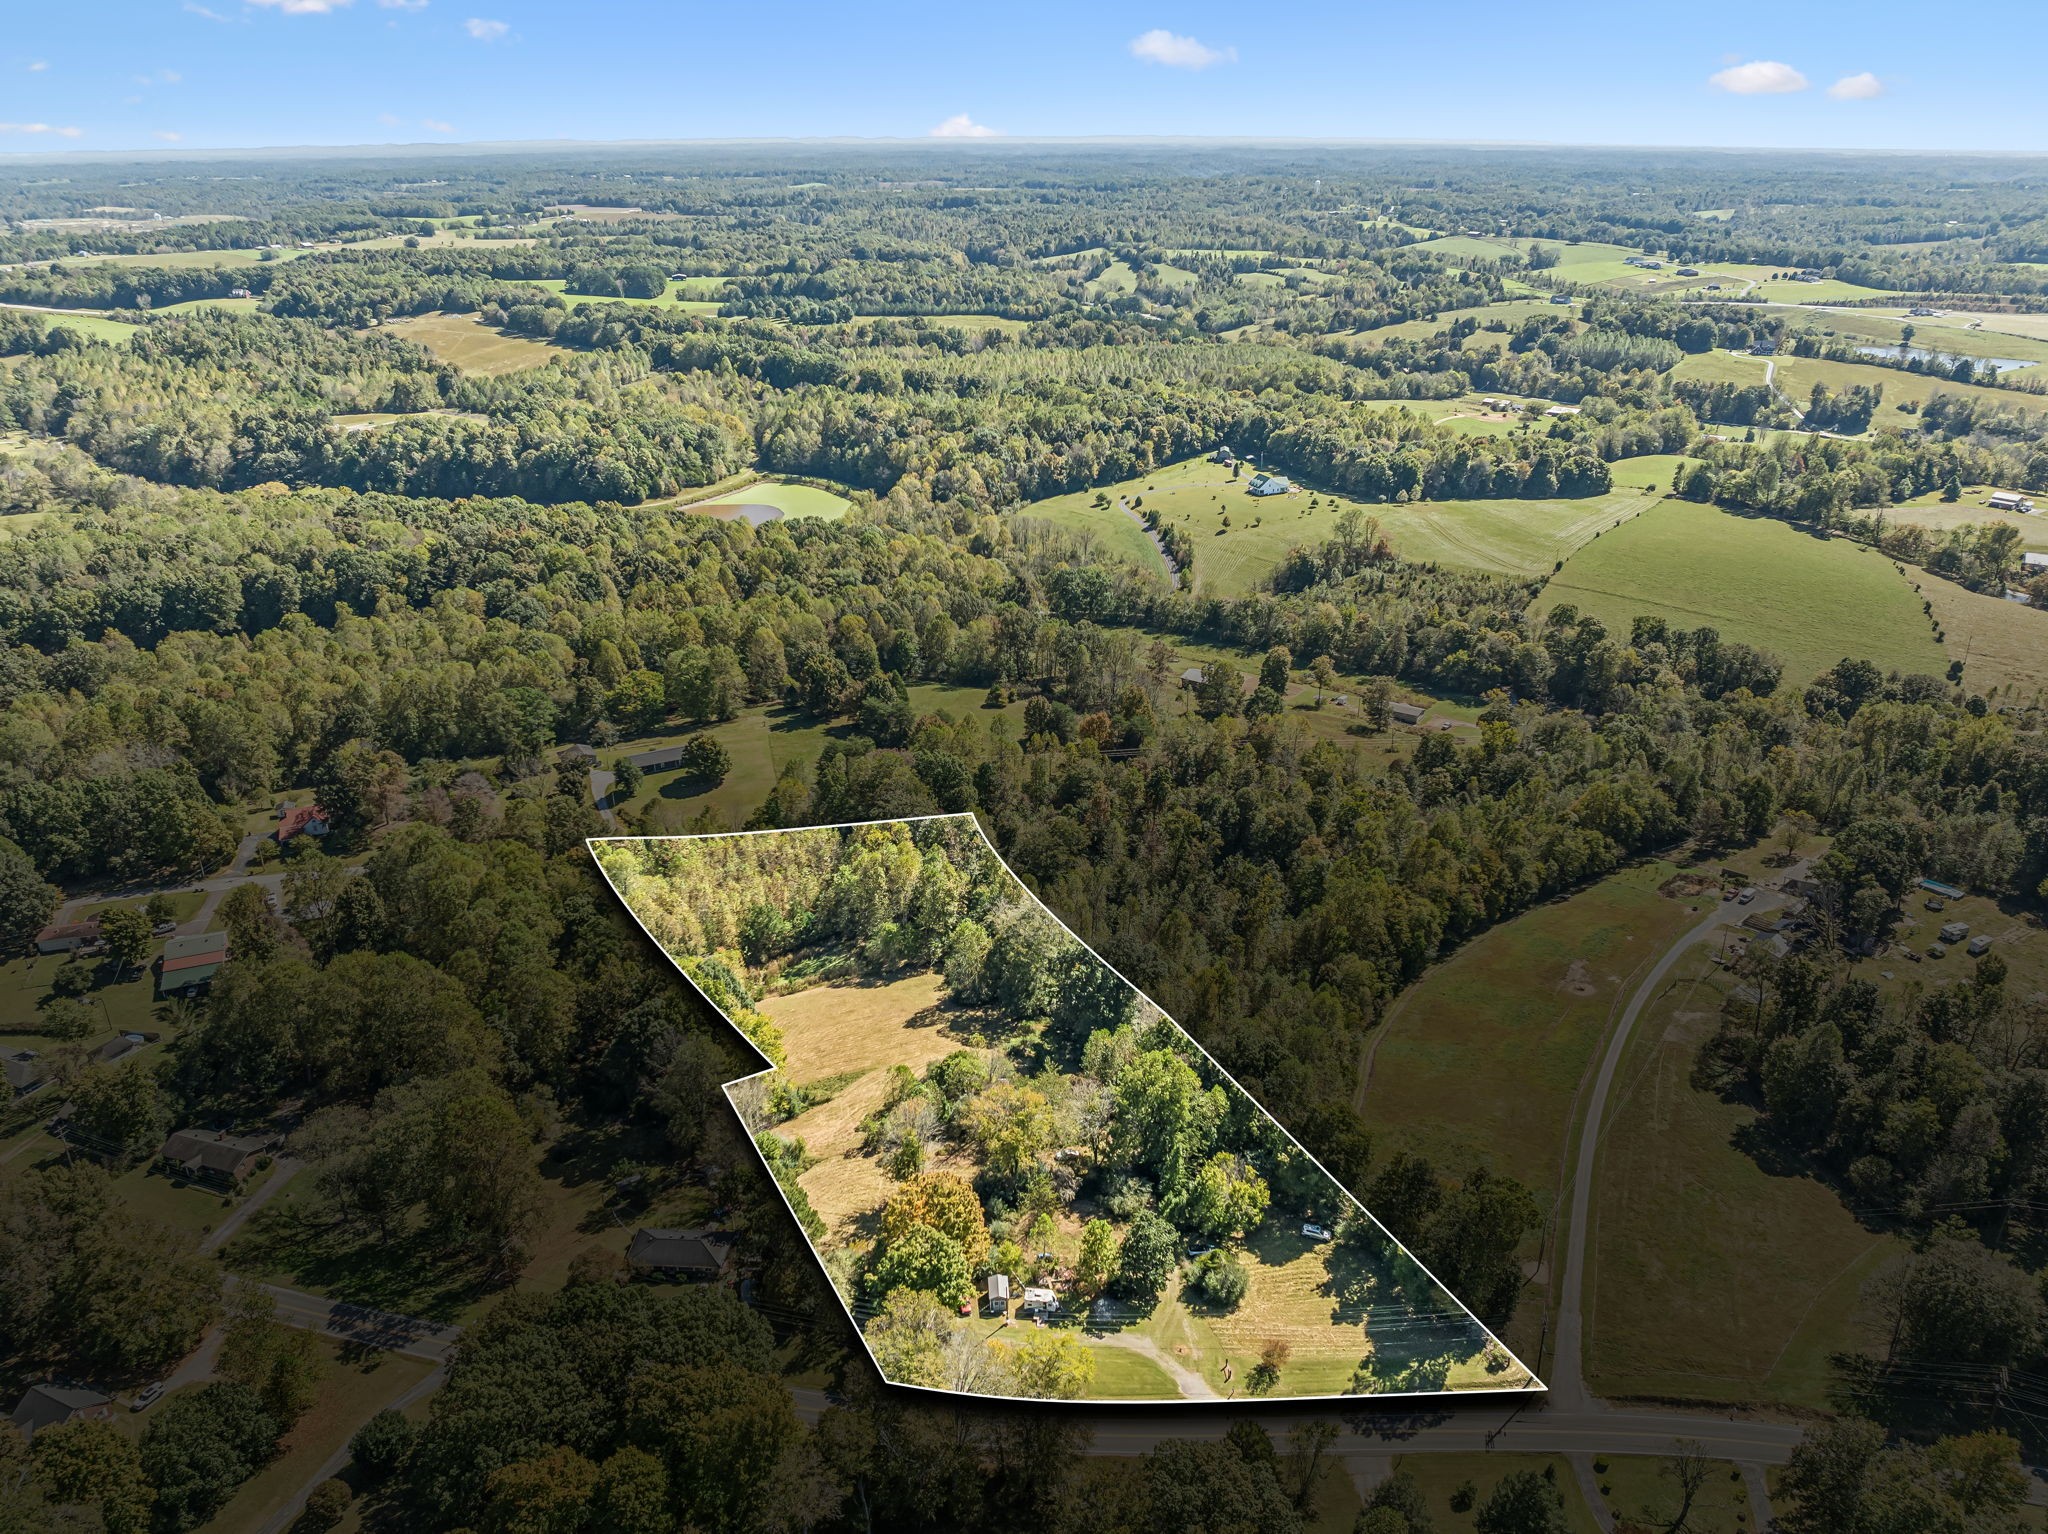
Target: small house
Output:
[
  {"x": 1270, "y": 484},
  {"x": 1223, "y": 455},
  {"x": 1408, "y": 713},
  {"x": 1194, "y": 676},
  {"x": 292, "y": 819},
  {"x": 64, "y": 937},
  {"x": 577, "y": 755},
  {"x": 191, "y": 962},
  {"x": 998, "y": 1293},
  {"x": 208, "y": 1155},
  {"x": 690, "y": 1254},
  {"x": 1955, "y": 931},
  {"x": 1560, "y": 298},
  {"x": 2035, "y": 562},
  {"x": 240, "y": 293},
  {"x": 1562, "y": 410},
  {"x": 1979, "y": 945},
  {"x": 48, "y": 1405},
  {"x": 658, "y": 758},
  {"x": 24, "y": 1070}
]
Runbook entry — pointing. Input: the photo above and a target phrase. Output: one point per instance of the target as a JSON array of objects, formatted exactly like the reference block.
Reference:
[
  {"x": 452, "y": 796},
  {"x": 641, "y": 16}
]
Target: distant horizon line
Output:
[{"x": 994, "y": 143}]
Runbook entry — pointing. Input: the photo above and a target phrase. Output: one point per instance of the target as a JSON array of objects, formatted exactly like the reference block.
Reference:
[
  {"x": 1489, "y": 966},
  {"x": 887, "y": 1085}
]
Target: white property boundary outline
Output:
[{"x": 1235, "y": 1403}]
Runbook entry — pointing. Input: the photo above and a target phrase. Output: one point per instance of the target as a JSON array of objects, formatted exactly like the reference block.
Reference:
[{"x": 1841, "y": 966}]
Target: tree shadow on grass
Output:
[{"x": 410, "y": 1273}]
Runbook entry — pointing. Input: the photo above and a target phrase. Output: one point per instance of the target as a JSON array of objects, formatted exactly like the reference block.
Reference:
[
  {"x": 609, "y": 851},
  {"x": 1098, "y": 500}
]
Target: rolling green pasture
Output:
[
  {"x": 186, "y": 258},
  {"x": 1117, "y": 534},
  {"x": 693, "y": 295},
  {"x": 1711, "y": 1277},
  {"x": 1972, "y": 511},
  {"x": 1479, "y": 1062},
  {"x": 1119, "y": 277},
  {"x": 1512, "y": 312},
  {"x": 1884, "y": 327},
  {"x": 472, "y": 345},
  {"x": 1808, "y": 599},
  {"x": 761, "y": 742},
  {"x": 791, "y": 500},
  {"x": 1514, "y": 537},
  {"x": 1798, "y": 375},
  {"x": 85, "y": 322},
  {"x": 2002, "y": 645}
]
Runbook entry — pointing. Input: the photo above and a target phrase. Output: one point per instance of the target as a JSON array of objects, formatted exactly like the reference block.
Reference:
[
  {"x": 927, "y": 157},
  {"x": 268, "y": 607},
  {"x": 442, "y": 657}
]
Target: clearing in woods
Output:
[
  {"x": 1240, "y": 538},
  {"x": 1810, "y": 600},
  {"x": 472, "y": 345}
]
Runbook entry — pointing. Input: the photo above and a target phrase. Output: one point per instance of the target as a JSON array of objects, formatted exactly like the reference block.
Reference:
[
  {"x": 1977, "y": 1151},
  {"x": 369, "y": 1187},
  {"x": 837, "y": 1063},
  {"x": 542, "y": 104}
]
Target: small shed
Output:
[
  {"x": 998, "y": 1292},
  {"x": 1194, "y": 676},
  {"x": 1408, "y": 713},
  {"x": 2010, "y": 500}
]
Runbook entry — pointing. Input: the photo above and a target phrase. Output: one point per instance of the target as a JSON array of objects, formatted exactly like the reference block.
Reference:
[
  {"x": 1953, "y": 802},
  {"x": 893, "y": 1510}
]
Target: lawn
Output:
[
  {"x": 1440, "y": 1475},
  {"x": 1712, "y": 1275},
  {"x": 1480, "y": 1062},
  {"x": 1810, "y": 600},
  {"x": 1635, "y": 1486},
  {"x": 1240, "y": 539},
  {"x": 1973, "y": 510},
  {"x": 692, "y": 296},
  {"x": 354, "y": 1390},
  {"x": 186, "y": 258},
  {"x": 95, "y": 326},
  {"x": 760, "y": 742},
  {"x": 472, "y": 345}
]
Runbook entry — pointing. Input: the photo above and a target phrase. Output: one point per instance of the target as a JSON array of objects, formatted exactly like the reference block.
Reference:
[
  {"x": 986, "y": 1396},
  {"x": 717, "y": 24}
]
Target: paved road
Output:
[
  {"x": 361, "y": 1324},
  {"x": 1566, "y": 1375}
]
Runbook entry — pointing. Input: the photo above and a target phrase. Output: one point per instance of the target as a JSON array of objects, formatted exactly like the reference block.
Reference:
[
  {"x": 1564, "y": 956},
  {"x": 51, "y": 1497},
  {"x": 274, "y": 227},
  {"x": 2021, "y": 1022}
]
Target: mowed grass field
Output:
[
  {"x": 1507, "y": 537},
  {"x": 472, "y": 345},
  {"x": 1886, "y": 327},
  {"x": 760, "y": 742},
  {"x": 794, "y": 501},
  {"x": 2002, "y": 645},
  {"x": 1796, "y": 376},
  {"x": 1810, "y": 600},
  {"x": 1479, "y": 1063},
  {"x": 1712, "y": 1278}
]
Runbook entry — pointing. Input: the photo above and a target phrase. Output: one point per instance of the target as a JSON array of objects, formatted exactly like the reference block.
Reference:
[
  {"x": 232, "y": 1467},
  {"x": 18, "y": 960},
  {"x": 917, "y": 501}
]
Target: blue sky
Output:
[{"x": 157, "y": 74}]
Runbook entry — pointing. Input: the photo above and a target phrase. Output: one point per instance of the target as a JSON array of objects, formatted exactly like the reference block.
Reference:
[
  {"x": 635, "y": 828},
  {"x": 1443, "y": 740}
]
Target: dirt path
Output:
[{"x": 1192, "y": 1386}]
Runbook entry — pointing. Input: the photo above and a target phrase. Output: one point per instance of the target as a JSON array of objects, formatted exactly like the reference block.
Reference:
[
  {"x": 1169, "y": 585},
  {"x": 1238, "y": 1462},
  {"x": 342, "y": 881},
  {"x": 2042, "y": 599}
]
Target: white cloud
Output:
[
  {"x": 960, "y": 125},
  {"x": 1160, "y": 46},
  {"x": 388, "y": 119},
  {"x": 485, "y": 31},
  {"x": 38, "y": 66},
  {"x": 1863, "y": 87},
  {"x": 70, "y": 132},
  {"x": 194, "y": 9},
  {"x": 305, "y": 7},
  {"x": 402, "y": 5},
  {"x": 169, "y": 76},
  {"x": 169, "y": 135},
  {"x": 1759, "y": 77},
  {"x": 435, "y": 125}
]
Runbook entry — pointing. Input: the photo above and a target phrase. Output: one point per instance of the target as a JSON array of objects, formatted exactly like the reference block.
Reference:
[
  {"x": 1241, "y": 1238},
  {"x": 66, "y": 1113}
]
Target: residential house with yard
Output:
[
  {"x": 694, "y": 1254},
  {"x": 2034, "y": 563},
  {"x": 2010, "y": 500},
  {"x": 212, "y": 1156},
  {"x": 190, "y": 963},
  {"x": 292, "y": 819},
  {"x": 24, "y": 1069},
  {"x": 1270, "y": 484},
  {"x": 48, "y": 1405},
  {"x": 659, "y": 758},
  {"x": 66, "y": 937}
]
